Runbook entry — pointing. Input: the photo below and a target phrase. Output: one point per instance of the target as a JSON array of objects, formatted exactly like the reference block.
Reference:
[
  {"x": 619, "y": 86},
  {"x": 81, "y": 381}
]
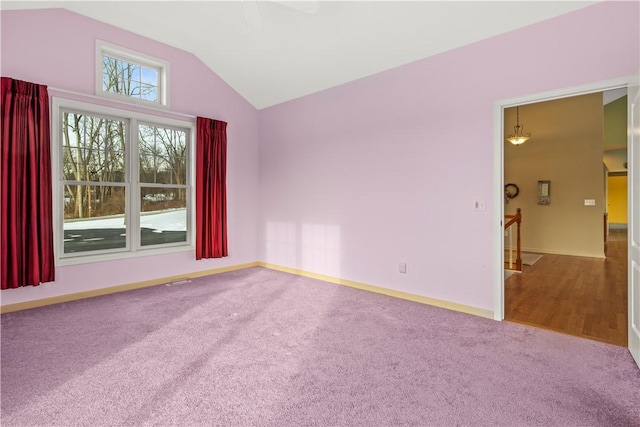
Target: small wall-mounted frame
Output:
[{"x": 544, "y": 194}]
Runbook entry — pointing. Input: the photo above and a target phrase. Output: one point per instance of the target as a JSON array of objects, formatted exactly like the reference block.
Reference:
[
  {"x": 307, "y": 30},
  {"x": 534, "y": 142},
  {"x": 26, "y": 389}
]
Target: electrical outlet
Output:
[
  {"x": 402, "y": 267},
  {"x": 589, "y": 202}
]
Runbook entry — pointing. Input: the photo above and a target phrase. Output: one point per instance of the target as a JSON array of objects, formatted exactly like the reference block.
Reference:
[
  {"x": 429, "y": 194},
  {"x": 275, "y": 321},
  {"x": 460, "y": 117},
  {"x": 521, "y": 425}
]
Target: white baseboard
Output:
[
  {"x": 580, "y": 254},
  {"x": 119, "y": 288},
  {"x": 138, "y": 285},
  {"x": 385, "y": 291},
  {"x": 617, "y": 226}
]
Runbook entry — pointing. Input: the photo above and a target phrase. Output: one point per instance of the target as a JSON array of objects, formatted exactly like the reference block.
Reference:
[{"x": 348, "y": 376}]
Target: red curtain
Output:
[
  {"x": 211, "y": 192},
  {"x": 26, "y": 253}
]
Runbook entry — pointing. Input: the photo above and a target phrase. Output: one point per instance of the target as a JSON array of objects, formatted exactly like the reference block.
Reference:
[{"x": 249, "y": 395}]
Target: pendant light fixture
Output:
[{"x": 518, "y": 137}]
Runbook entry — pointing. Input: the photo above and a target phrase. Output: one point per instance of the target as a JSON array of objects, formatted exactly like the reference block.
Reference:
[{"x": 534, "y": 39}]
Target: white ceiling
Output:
[{"x": 297, "y": 53}]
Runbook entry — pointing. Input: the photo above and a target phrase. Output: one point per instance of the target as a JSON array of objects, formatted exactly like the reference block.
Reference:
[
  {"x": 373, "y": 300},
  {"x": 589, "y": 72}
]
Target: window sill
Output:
[{"x": 116, "y": 256}]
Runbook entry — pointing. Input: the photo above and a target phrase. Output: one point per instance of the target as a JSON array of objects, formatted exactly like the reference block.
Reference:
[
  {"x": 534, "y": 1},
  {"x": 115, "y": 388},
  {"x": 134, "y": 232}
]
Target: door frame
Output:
[
  {"x": 632, "y": 196},
  {"x": 498, "y": 168}
]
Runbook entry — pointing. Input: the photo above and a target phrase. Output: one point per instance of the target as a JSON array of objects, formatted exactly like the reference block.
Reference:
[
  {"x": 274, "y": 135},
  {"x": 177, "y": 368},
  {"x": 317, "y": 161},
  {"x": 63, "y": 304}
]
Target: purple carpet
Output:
[{"x": 258, "y": 347}]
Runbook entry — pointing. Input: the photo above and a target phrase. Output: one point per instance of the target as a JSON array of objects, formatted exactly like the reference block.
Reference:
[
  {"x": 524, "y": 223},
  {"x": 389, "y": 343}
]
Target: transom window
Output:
[
  {"x": 124, "y": 181},
  {"x": 130, "y": 76}
]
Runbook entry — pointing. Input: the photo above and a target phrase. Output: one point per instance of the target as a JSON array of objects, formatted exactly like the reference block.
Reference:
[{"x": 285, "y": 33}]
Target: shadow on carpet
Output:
[{"x": 258, "y": 347}]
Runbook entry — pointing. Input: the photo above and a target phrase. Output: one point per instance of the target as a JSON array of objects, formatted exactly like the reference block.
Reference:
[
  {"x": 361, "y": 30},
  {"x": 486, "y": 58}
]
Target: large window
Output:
[{"x": 124, "y": 181}]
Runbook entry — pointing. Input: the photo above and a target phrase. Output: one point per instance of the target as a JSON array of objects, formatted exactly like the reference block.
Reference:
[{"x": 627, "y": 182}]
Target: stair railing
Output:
[{"x": 510, "y": 220}]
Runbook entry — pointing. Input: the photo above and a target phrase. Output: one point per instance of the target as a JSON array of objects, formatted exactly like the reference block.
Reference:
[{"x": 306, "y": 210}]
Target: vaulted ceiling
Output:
[{"x": 271, "y": 51}]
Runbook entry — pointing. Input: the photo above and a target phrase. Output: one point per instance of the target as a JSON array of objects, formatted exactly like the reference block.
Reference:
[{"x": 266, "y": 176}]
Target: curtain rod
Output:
[{"x": 108, "y": 100}]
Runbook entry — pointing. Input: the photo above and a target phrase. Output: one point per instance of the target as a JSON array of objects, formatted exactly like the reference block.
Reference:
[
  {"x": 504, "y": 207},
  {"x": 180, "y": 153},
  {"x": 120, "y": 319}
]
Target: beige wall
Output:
[
  {"x": 566, "y": 148},
  {"x": 615, "y": 124}
]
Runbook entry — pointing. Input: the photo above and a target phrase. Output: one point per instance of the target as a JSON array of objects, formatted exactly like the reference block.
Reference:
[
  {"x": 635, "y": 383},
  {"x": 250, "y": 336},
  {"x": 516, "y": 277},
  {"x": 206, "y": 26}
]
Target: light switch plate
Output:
[{"x": 479, "y": 205}]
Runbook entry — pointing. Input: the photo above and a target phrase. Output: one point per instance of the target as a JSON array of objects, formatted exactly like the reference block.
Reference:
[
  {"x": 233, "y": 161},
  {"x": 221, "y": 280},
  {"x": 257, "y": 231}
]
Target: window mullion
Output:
[{"x": 134, "y": 184}]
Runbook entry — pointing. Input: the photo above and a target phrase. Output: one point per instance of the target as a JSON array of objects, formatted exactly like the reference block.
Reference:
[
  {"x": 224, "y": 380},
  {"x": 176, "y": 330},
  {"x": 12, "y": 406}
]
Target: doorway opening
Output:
[{"x": 577, "y": 283}]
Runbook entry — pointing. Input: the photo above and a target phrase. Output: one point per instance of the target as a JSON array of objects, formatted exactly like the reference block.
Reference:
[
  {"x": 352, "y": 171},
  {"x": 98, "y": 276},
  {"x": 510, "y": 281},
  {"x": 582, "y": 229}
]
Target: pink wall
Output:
[
  {"x": 57, "y": 48},
  {"x": 355, "y": 179},
  {"x": 352, "y": 180}
]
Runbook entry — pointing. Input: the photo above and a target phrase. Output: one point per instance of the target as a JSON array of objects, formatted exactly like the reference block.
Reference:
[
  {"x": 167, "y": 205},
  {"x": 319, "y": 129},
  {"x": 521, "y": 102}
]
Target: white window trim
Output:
[
  {"x": 132, "y": 250},
  {"x": 119, "y": 52}
]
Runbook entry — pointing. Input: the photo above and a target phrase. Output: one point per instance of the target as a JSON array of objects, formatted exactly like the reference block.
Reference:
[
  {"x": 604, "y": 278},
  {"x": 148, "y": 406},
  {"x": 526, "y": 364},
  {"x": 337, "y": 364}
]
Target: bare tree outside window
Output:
[
  {"x": 93, "y": 151},
  {"x": 163, "y": 170},
  {"x": 130, "y": 79}
]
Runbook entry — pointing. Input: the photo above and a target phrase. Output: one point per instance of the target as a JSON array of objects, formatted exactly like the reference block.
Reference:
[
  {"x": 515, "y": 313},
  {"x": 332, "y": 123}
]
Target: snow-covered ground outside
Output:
[{"x": 169, "y": 220}]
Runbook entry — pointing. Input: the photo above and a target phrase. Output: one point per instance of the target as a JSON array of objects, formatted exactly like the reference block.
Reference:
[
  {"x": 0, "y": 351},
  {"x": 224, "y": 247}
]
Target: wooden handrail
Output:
[
  {"x": 513, "y": 218},
  {"x": 516, "y": 219}
]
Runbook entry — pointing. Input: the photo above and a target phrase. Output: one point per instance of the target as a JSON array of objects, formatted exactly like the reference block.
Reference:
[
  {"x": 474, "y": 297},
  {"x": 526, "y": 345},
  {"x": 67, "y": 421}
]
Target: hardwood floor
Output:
[{"x": 579, "y": 296}]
